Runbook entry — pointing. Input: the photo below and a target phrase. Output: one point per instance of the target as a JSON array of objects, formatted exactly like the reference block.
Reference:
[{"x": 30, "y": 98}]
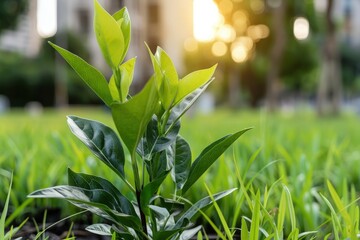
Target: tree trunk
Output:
[
  {"x": 330, "y": 84},
  {"x": 277, "y": 52}
]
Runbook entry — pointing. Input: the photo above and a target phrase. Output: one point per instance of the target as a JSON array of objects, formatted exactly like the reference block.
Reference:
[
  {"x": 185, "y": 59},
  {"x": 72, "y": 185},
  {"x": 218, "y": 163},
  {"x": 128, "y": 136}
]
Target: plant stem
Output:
[
  {"x": 164, "y": 122},
  {"x": 138, "y": 190},
  {"x": 142, "y": 215}
]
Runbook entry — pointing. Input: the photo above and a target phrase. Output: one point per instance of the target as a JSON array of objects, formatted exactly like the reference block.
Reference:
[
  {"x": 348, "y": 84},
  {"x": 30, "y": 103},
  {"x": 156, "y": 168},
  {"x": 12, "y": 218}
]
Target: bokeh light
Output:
[
  {"x": 239, "y": 52},
  {"x": 219, "y": 49},
  {"x": 301, "y": 28},
  {"x": 46, "y": 18},
  {"x": 226, "y": 33}
]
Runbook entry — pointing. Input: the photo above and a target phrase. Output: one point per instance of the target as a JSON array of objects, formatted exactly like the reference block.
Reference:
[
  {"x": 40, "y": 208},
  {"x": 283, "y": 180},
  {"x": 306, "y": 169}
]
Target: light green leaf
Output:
[
  {"x": 208, "y": 156},
  {"x": 127, "y": 75},
  {"x": 90, "y": 75},
  {"x": 109, "y": 36},
  {"x": 132, "y": 117},
  {"x": 166, "y": 77},
  {"x": 101, "y": 140},
  {"x": 119, "y": 87},
  {"x": 122, "y": 17},
  {"x": 182, "y": 163},
  {"x": 193, "y": 81},
  {"x": 114, "y": 89}
]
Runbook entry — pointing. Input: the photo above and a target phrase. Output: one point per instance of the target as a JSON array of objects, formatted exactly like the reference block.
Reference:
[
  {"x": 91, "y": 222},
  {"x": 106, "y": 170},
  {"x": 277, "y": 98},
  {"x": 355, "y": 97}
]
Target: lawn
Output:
[{"x": 294, "y": 172}]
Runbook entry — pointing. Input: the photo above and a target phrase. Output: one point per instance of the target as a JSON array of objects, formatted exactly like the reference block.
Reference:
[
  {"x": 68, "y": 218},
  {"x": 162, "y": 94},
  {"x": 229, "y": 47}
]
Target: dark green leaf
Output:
[
  {"x": 96, "y": 201},
  {"x": 174, "y": 207},
  {"x": 149, "y": 191},
  {"x": 90, "y": 182},
  {"x": 132, "y": 117},
  {"x": 99, "y": 229},
  {"x": 152, "y": 143},
  {"x": 186, "y": 217},
  {"x": 91, "y": 76},
  {"x": 208, "y": 156},
  {"x": 101, "y": 140},
  {"x": 189, "y": 233},
  {"x": 182, "y": 163}
]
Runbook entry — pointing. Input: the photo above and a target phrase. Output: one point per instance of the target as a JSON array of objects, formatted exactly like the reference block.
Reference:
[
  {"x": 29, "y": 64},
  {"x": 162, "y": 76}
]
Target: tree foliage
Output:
[{"x": 10, "y": 10}]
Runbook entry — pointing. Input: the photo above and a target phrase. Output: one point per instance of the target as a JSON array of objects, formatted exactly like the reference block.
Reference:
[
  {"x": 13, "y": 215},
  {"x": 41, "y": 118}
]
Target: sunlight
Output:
[
  {"x": 46, "y": 18},
  {"x": 206, "y": 20}
]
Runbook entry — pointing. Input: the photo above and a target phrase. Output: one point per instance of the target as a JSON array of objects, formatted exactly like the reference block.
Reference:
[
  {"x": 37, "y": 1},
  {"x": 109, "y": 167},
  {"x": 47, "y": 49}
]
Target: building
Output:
[{"x": 157, "y": 22}]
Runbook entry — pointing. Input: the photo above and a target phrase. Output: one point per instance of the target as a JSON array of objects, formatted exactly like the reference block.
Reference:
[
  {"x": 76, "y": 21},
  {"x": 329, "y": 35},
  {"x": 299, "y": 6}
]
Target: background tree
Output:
[
  {"x": 277, "y": 64},
  {"x": 330, "y": 84},
  {"x": 10, "y": 10}
]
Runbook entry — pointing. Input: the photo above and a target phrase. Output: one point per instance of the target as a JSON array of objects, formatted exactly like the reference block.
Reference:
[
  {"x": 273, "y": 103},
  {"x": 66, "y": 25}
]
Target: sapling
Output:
[{"x": 148, "y": 124}]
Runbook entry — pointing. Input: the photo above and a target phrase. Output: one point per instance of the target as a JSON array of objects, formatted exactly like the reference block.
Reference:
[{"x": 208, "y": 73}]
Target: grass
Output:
[{"x": 296, "y": 173}]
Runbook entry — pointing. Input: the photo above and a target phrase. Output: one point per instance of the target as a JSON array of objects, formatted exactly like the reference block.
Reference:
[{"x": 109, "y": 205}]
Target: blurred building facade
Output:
[{"x": 157, "y": 22}]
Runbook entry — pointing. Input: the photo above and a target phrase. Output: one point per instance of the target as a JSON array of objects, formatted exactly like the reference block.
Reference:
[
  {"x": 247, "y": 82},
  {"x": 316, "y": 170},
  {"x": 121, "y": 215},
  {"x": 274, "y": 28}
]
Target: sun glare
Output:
[
  {"x": 46, "y": 18},
  {"x": 206, "y": 20}
]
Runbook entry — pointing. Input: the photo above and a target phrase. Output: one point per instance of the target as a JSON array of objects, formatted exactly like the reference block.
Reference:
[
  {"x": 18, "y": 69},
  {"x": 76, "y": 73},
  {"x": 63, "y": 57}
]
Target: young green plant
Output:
[{"x": 148, "y": 124}]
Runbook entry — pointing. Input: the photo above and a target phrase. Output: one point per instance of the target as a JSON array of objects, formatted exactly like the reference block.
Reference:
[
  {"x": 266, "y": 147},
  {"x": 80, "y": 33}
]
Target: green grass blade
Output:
[
  {"x": 255, "y": 220},
  {"x": 4, "y": 211},
  {"x": 220, "y": 214}
]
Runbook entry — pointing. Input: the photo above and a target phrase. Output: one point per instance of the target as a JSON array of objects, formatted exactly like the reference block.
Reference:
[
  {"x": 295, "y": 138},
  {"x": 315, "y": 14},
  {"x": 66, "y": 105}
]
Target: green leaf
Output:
[
  {"x": 122, "y": 17},
  {"x": 4, "y": 211},
  {"x": 164, "y": 221},
  {"x": 101, "y": 140},
  {"x": 255, "y": 219},
  {"x": 152, "y": 142},
  {"x": 90, "y": 75},
  {"x": 97, "y": 201},
  {"x": 208, "y": 156},
  {"x": 186, "y": 217},
  {"x": 189, "y": 233},
  {"x": 244, "y": 229},
  {"x": 170, "y": 82},
  {"x": 166, "y": 77},
  {"x": 99, "y": 229},
  {"x": 149, "y": 191},
  {"x": 120, "y": 89},
  {"x": 192, "y": 81},
  {"x": 109, "y": 36},
  {"x": 182, "y": 163},
  {"x": 127, "y": 75},
  {"x": 132, "y": 117},
  {"x": 173, "y": 206},
  {"x": 181, "y": 108},
  {"x": 90, "y": 182}
]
